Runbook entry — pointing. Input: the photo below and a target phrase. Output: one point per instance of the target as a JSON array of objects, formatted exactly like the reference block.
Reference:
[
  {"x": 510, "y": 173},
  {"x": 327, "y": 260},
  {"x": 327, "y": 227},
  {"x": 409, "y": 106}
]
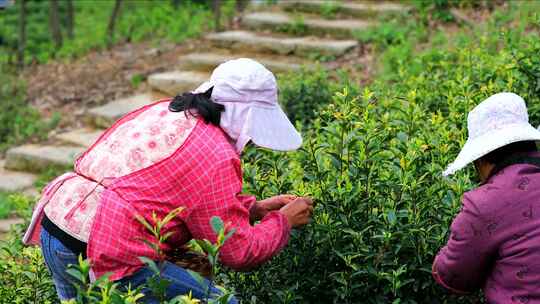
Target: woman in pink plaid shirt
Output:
[{"x": 173, "y": 153}]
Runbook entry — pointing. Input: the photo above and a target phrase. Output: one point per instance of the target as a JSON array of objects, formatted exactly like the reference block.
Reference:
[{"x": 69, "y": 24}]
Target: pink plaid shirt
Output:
[{"x": 203, "y": 176}]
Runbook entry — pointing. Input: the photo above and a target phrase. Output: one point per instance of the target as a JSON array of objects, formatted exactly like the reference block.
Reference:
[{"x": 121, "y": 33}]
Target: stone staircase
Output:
[{"x": 283, "y": 37}]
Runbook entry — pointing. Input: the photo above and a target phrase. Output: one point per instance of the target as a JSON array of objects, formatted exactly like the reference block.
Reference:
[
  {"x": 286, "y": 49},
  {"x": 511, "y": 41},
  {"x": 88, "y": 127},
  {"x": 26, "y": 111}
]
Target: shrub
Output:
[
  {"x": 25, "y": 279},
  {"x": 24, "y": 276},
  {"x": 14, "y": 204},
  {"x": 373, "y": 167},
  {"x": 6, "y": 207},
  {"x": 302, "y": 93},
  {"x": 373, "y": 163}
]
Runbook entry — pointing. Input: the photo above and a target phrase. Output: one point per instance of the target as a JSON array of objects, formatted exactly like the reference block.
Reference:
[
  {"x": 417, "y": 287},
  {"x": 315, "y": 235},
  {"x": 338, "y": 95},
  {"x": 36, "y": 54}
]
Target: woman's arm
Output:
[
  {"x": 463, "y": 265},
  {"x": 250, "y": 245}
]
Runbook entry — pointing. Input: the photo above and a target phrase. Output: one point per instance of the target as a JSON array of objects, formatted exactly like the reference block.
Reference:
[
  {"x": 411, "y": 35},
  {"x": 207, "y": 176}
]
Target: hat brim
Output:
[
  {"x": 269, "y": 127},
  {"x": 476, "y": 148}
]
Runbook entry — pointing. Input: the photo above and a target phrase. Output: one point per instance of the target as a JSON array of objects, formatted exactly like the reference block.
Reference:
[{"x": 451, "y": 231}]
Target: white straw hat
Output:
[
  {"x": 500, "y": 120},
  {"x": 249, "y": 93}
]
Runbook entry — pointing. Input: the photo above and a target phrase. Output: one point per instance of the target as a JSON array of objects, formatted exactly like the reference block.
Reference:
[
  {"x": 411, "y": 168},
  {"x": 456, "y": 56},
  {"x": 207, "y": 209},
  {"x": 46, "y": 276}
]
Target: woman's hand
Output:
[
  {"x": 261, "y": 208},
  {"x": 298, "y": 212}
]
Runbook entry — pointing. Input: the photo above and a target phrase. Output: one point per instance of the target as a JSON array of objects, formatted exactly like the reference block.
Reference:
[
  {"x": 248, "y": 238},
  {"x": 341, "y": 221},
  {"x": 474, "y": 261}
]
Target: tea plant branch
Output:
[
  {"x": 156, "y": 283},
  {"x": 212, "y": 251},
  {"x": 313, "y": 154}
]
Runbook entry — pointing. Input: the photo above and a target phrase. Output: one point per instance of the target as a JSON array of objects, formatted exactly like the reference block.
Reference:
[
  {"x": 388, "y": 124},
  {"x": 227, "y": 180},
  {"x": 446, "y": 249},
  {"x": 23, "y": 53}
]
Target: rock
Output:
[
  {"x": 177, "y": 82},
  {"x": 357, "y": 9},
  {"x": 304, "y": 46},
  {"x": 208, "y": 61},
  {"x": 342, "y": 28},
  {"x": 5, "y": 225},
  {"x": 35, "y": 158},
  {"x": 152, "y": 52},
  {"x": 11, "y": 181},
  {"x": 32, "y": 192},
  {"x": 461, "y": 17},
  {"x": 106, "y": 115},
  {"x": 80, "y": 137}
]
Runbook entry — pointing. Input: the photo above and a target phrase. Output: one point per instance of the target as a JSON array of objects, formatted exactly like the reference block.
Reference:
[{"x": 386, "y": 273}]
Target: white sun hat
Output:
[
  {"x": 500, "y": 120},
  {"x": 249, "y": 93}
]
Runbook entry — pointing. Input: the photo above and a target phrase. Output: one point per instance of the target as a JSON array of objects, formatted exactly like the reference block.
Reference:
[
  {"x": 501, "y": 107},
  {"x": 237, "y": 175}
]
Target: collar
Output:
[{"x": 531, "y": 158}]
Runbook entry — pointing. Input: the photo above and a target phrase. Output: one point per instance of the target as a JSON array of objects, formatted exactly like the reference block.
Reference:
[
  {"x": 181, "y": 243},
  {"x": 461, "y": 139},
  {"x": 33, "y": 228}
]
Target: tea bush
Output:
[
  {"x": 373, "y": 163},
  {"x": 14, "y": 205},
  {"x": 374, "y": 168},
  {"x": 302, "y": 93},
  {"x": 24, "y": 276}
]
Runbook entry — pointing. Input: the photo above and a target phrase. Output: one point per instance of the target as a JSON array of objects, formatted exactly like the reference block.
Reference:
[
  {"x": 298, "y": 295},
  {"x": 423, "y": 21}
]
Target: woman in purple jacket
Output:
[{"x": 494, "y": 242}]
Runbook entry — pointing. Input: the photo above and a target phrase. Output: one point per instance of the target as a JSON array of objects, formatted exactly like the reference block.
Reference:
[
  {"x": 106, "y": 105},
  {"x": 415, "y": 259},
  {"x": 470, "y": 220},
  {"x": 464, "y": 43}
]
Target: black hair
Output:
[
  {"x": 201, "y": 103},
  {"x": 500, "y": 155}
]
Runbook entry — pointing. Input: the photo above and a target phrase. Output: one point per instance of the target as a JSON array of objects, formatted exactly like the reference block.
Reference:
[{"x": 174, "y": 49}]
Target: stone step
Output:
[
  {"x": 209, "y": 61},
  {"x": 104, "y": 116},
  {"x": 5, "y": 225},
  {"x": 302, "y": 25},
  {"x": 36, "y": 158},
  {"x": 304, "y": 46},
  {"x": 358, "y": 9},
  {"x": 80, "y": 137},
  {"x": 177, "y": 82},
  {"x": 32, "y": 192},
  {"x": 11, "y": 181}
]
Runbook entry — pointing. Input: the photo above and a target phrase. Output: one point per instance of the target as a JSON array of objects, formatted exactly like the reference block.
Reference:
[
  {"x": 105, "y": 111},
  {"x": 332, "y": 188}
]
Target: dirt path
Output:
[{"x": 71, "y": 87}]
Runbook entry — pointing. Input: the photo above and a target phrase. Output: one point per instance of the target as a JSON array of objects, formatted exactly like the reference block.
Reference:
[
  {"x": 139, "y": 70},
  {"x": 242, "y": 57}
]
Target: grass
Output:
[
  {"x": 19, "y": 121},
  {"x": 49, "y": 174},
  {"x": 6, "y": 205},
  {"x": 13, "y": 204},
  {"x": 329, "y": 10},
  {"x": 139, "y": 20},
  {"x": 298, "y": 27}
]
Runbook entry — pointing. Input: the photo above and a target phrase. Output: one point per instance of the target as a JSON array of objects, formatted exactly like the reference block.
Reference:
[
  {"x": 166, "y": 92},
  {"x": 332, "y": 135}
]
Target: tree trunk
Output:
[
  {"x": 217, "y": 14},
  {"x": 54, "y": 23},
  {"x": 112, "y": 22},
  {"x": 175, "y": 3},
  {"x": 22, "y": 34},
  {"x": 241, "y": 5},
  {"x": 70, "y": 18}
]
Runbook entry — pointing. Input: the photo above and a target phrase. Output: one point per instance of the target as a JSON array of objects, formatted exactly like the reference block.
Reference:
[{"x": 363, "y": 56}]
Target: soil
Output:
[{"x": 70, "y": 87}]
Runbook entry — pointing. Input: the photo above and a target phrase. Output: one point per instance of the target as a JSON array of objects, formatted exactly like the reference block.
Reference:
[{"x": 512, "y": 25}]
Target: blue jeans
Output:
[
  {"x": 57, "y": 258},
  {"x": 180, "y": 283}
]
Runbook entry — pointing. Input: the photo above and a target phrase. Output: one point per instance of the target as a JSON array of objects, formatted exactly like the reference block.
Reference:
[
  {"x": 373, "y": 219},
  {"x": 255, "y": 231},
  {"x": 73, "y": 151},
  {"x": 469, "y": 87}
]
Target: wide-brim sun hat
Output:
[
  {"x": 252, "y": 112},
  {"x": 498, "y": 121}
]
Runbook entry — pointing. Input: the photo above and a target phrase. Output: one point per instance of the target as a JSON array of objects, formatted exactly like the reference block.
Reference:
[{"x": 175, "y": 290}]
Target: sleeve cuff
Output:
[
  {"x": 247, "y": 200},
  {"x": 437, "y": 277},
  {"x": 283, "y": 222}
]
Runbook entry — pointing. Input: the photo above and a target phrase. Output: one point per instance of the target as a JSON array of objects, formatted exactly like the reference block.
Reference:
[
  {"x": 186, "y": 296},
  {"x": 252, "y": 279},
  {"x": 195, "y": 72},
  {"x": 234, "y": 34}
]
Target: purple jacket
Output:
[{"x": 494, "y": 242}]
